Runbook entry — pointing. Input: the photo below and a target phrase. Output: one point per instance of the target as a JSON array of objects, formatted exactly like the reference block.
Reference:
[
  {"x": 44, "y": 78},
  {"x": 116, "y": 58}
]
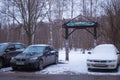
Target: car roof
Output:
[
  {"x": 105, "y": 45},
  {"x": 39, "y": 45},
  {"x": 6, "y": 43},
  {"x": 105, "y": 48}
]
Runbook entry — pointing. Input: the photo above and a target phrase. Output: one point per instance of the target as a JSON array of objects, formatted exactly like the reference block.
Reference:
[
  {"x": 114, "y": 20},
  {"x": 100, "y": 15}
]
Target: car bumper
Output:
[
  {"x": 24, "y": 64},
  {"x": 102, "y": 65}
]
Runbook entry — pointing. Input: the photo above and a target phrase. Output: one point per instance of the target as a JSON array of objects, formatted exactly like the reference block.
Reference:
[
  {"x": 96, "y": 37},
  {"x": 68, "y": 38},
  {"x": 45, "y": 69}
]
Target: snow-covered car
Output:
[
  {"x": 104, "y": 56},
  {"x": 36, "y": 57}
]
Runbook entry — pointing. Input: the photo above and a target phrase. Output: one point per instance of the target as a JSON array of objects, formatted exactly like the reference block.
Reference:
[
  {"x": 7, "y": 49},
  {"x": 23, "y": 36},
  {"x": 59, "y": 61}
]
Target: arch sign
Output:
[{"x": 79, "y": 25}]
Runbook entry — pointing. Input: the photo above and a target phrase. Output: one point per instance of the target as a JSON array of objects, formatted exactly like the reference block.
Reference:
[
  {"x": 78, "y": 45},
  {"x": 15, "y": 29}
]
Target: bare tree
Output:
[
  {"x": 28, "y": 14},
  {"x": 49, "y": 15},
  {"x": 112, "y": 10},
  {"x": 84, "y": 7}
]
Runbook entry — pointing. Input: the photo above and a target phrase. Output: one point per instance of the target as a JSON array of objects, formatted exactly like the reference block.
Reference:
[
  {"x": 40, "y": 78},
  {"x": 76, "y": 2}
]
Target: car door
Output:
[
  {"x": 9, "y": 52},
  {"x": 52, "y": 54},
  {"x": 47, "y": 56}
]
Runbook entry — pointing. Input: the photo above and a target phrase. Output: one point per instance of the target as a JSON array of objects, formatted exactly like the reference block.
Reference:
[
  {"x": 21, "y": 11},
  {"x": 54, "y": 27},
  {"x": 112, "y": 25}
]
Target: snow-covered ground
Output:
[{"x": 75, "y": 65}]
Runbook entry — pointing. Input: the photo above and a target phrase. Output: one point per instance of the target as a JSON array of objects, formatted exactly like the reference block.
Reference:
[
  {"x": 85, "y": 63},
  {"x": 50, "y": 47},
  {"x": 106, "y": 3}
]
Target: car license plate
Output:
[
  {"x": 20, "y": 63},
  {"x": 100, "y": 65}
]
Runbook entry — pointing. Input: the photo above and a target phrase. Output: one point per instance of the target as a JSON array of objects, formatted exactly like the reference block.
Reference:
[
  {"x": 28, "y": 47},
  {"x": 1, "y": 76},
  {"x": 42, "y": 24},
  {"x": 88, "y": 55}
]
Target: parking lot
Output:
[
  {"x": 75, "y": 66},
  {"x": 75, "y": 69}
]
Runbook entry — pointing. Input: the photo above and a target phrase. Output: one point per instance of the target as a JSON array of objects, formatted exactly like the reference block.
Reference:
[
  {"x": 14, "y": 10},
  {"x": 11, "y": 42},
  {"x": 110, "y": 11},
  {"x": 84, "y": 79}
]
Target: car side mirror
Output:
[{"x": 89, "y": 52}]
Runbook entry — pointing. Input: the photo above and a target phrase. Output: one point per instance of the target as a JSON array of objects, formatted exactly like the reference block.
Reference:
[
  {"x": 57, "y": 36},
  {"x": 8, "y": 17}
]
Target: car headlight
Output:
[
  {"x": 89, "y": 60},
  {"x": 112, "y": 61},
  {"x": 13, "y": 58}
]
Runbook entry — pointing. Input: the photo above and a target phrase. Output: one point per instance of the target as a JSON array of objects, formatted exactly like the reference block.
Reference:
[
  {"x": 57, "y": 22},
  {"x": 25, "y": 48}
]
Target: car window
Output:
[
  {"x": 19, "y": 46},
  {"x": 116, "y": 50},
  {"x": 11, "y": 48},
  {"x": 34, "y": 49},
  {"x": 49, "y": 48},
  {"x": 2, "y": 47}
]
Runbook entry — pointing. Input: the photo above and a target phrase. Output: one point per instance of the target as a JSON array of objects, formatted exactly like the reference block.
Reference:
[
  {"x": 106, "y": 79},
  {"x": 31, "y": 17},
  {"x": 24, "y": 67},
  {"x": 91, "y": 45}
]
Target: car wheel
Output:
[
  {"x": 1, "y": 63},
  {"x": 40, "y": 66},
  {"x": 116, "y": 69},
  {"x": 14, "y": 68}
]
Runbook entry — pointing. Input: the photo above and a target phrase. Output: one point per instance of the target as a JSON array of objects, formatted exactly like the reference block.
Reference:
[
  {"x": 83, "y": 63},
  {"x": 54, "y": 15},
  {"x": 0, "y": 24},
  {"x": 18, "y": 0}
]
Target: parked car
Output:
[
  {"x": 104, "y": 56},
  {"x": 35, "y": 57},
  {"x": 8, "y": 50}
]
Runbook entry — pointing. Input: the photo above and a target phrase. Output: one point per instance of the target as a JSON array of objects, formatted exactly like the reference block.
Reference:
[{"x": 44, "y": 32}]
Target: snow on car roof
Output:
[
  {"x": 4, "y": 43},
  {"x": 105, "y": 45},
  {"x": 40, "y": 45},
  {"x": 105, "y": 48},
  {"x": 11, "y": 43}
]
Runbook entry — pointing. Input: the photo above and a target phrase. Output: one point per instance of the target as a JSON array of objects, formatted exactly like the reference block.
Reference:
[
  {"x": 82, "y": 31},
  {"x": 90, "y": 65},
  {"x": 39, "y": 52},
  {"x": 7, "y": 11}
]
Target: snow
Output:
[
  {"x": 8, "y": 69},
  {"x": 102, "y": 51},
  {"x": 105, "y": 48},
  {"x": 75, "y": 65},
  {"x": 65, "y": 67}
]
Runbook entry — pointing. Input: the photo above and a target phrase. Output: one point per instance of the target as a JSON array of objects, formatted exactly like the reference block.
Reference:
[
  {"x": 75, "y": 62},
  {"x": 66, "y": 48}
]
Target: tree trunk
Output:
[
  {"x": 33, "y": 39},
  {"x": 29, "y": 36}
]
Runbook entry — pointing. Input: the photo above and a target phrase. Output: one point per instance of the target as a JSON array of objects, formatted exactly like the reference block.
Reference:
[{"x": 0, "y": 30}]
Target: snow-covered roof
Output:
[
  {"x": 105, "y": 48},
  {"x": 105, "y": 45},
  {"x": 39, "y": 45}
]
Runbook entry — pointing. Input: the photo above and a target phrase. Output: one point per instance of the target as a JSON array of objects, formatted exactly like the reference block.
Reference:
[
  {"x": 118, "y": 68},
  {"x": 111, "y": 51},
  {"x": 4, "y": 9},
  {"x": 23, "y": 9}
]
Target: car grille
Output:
[
  {"x": 101, "y": 61},
  {"x": 20, "y": 59}
]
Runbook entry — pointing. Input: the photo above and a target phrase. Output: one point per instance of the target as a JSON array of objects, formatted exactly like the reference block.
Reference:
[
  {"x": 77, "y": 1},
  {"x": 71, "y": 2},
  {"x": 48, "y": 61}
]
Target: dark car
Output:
[
  {"x": 8, "y": 50},
  {"x": 35, "y": 57}
]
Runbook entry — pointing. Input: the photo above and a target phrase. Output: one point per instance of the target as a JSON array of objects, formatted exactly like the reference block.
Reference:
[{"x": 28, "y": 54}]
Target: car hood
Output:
[
  {"x": 102, "y": 57},
  {"x": 26, "y": 56}
]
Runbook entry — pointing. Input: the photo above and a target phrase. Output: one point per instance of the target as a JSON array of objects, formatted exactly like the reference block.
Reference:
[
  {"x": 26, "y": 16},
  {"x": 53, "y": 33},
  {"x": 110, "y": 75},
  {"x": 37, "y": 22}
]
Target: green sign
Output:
[{"x": 80, "y": 24}]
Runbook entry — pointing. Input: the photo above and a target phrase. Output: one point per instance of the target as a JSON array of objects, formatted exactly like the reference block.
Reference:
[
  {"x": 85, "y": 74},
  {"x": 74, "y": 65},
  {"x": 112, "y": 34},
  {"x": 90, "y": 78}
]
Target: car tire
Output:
[
  {"x": 14, "y": 68},
  {"x": 1, "y": 63},
  {"x": 116, "y": 69},
  {"x": 40, "y": 66}
]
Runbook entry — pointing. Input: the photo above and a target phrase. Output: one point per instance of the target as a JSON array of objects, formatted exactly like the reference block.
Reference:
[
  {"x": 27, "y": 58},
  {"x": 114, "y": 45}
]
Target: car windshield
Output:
[
  {"x": 105, "y": 49},
  {"x": 2, "y": 47},
  {"x": 34, "y": 49}
]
